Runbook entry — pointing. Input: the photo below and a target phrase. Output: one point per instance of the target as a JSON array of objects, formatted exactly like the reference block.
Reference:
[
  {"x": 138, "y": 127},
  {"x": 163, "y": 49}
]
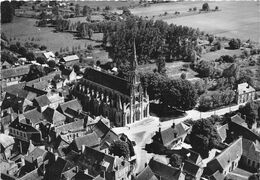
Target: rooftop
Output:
[{"x": 244, "y": 88}]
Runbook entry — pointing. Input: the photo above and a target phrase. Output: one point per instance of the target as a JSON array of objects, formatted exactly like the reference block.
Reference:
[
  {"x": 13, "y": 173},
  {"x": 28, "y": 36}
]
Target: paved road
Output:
[{"x": 142, "y": 131}]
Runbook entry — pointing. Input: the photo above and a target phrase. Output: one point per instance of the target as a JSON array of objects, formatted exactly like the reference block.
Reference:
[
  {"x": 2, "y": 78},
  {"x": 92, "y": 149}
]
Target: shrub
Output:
[
  {"x": 90, "y": 47},
  {"x": 234, "y": 43},
  {"x": 205, "y": 7}
]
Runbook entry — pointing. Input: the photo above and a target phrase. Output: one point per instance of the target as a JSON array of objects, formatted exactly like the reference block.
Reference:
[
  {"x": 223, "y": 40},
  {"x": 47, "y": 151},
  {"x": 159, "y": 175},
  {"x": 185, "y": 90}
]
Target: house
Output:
[
  {"x": 24, "y": 131},
  {"x": 60, "y": 169},
  {"x": 34, "y": 159},
  {"x": 6, "y": 144},
  {"x": 57, "y": 82},
  {"x": 68, "y": 75},
  {"x": 100, "y": 164},
  {"x": 91, "y": 140},
  {"x": 156, "y": 170},
  {"x": 14, "y": 75},
  {"x": 6, "y": 65},
  {"x": 251, "y": 155},
  {"x": 54, "y": 117},
  {"x": 34, "y": 117},
  {"x": 227, "y": 160},
  {"x": 171, "y": 136},
  {"x": 55, "y": 99},
  {"x": 49, "y": 56},
  {"x": 245, "y": 93},
  {"x": 41, "y": 102},
  {"x": 72, "y": 104},
  {"x": 70, "y": 60},
  {"x": 191, "y": 170},
  {"x": 191, "y": 156},
  {"x": 5, "y": 122}
]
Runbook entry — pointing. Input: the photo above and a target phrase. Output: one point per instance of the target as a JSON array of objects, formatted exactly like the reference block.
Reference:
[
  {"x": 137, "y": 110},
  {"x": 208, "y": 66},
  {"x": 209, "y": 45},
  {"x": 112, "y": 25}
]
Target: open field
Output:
[
  {"x": 236, "y": 19},
  {"x": 103, "y": 4},
  {"x": 23, "y": 29}
]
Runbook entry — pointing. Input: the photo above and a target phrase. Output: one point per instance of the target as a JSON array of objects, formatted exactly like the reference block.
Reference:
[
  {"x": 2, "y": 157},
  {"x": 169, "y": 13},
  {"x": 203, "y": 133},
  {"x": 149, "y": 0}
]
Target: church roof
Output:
[{"x": 109, "y": 81}]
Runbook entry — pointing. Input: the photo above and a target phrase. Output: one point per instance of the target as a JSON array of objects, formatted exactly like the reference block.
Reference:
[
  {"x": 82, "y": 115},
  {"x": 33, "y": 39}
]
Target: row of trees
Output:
[{"x": 173, "y": 93}]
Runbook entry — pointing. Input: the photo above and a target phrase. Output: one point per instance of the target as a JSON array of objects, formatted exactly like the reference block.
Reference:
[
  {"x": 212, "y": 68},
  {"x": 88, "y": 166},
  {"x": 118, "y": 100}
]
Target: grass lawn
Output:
[
  {"x": 103, "y": 4},
  {"x": 173, "y": 69},
  {"x": 211, "y": 56},
  {"x": 236, "y": 19},
  {"x": 23, "y": 29}
]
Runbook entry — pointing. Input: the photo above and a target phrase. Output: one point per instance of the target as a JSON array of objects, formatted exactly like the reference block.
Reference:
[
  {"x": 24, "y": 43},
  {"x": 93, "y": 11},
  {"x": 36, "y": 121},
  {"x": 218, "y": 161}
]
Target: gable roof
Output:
[
  {"x": 70, "y": 58},
  {"x": 22, "y": 126},
  {"x": 66, "y": 72},
  {"x": 108, "y": 80},
  {"x": 6, "y": 140},
  {"x": 238, "y": 120},
  {"x": 89, "y": 140},
  {"x": 227, "y": 155},
  {"x": 146, "y": 174},
  {"x": 251, "y": 149},
  {"x": 32, "y": 156},
  {"x": 34, "y": 116},
  {"x": 49, "y": 54},
  {"x": 76, "y": 125},
  {"x": 42, "y": 100},
  {"x": 170, "y": 134},
  {"x": 164, "y": 171},
  {"x": 191, "y": 156},
  {"x": 73, "y": 104},
  {"x": 32, "y": 88},
  {"x": 14, "y": 72},
  {"x": 222, "y": 131},
  {"x": 52, "y": 115},
  {"x": 191, "y": 168},
  {"x": 101, "y": 129},
  {"x": 59, "y": 166}
]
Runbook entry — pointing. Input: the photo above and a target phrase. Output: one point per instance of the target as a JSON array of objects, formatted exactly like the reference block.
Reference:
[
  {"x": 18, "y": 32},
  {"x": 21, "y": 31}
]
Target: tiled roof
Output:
[
  {"x": 237, "y": 119},
  {"x": 73, "y": 104},
  {"x": 76, "y": 125},
  {"x": 13, "y": 72},
  {"x": 21, "y": 126},
  {"x": 52, "y": 115},
  {"x": 164, "y": 171},
  {"x": 42, "y": 100},
  {"x": 170, "y": 134},
  {"x": 34, "y": 116},
  {"x": 70, "y": 58},
  {"x": 251, "y": 149},
  {"x": 33, "y": 89},
  {"x": 32, "y": 156},
  {"x": 89, "y": 140},
  {"x": 244, "y": 88},
  {"x": 8, "y": 119},
  {"x": 228, "y": 155},
  {"x": 6, "y": 140},
  {"x": 217, "y": 176},
  {"x": 108, "y": 80},
  {"x": 146, "y": 174},
  {"x": 49, "y": 55},
  {"x": 101, "y": 129},
  {"x": 191, "y": 156},
  {"x": 191, "y": 168}
]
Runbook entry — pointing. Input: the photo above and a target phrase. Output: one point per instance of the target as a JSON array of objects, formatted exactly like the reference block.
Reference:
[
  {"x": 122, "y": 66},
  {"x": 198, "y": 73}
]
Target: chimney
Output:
[{"x": 173, "y": 125}]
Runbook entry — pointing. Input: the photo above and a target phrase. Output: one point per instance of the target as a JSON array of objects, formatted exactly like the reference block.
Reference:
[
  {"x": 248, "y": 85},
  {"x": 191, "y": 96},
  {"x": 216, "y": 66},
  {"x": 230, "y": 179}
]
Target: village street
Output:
[{"x": 142, "y": 131}]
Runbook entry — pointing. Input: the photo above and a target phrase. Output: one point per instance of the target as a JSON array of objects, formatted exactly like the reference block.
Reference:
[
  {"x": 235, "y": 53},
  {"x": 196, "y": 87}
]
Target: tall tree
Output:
[
  {"x": 120, "y": 148},
  {"x": 7, "y": 12},
  {"x": 77, "y": 10},
  {"x": 204, "y": 137}
]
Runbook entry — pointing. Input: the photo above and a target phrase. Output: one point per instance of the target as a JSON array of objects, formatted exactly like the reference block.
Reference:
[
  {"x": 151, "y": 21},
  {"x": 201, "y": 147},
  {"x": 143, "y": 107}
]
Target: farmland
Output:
[{"x": 235, "y": 20}]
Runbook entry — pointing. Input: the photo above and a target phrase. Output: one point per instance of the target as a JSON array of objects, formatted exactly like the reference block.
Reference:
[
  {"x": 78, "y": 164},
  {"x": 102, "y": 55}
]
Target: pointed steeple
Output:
[{"x": 135, "y": 64}]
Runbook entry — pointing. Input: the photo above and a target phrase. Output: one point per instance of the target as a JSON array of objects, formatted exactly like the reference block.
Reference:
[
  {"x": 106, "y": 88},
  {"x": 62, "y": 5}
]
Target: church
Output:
[{"x": 122, "y": 101}]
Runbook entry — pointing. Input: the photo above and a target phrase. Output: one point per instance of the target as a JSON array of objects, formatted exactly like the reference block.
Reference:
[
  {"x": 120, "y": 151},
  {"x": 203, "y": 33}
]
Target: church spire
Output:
[{"x": 135, "y": 64}]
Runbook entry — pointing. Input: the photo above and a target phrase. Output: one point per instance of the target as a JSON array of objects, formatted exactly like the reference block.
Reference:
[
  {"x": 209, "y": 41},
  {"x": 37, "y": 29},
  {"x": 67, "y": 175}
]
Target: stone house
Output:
[{"x": 245, "y": 93}]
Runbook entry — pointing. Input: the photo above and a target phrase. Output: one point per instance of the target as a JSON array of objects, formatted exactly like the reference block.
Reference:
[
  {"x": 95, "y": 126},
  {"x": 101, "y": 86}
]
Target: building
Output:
[
  {"x": 54, "y": 117},
  {"x": 6, "y": 146},
  {"x": 251, "y": 155},
  {"x": 49, "y": 56},
  {"x": 41, "y": 102},
  {"x": 156, "y": 170},
  {"x": 70, "y": 60},
  {"x": 68, "y": 75},
  {"x": 245, "y": 93},
  {"x": 13, "y": 75},
  {"x": 227, "y": 160},
  {"x": 123, "y": 101},
  {"x": 171, "y": 136}
]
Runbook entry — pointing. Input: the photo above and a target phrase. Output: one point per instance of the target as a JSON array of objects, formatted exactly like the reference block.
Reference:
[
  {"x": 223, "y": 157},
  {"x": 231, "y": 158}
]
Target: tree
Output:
[
  {"x": 175, "y": 160},
  {"x": 55, "y": 10},
  {"x": 30, "y": 56},
  {"x": 86, "y": 11},
  {"x": 126, "y": 11},
  {"x": 6, "y": 12},
  {"x": 205, "y": 7},
  {"x": 120, "y": 148},
  {"x": 90, "y": 33},
  {"x": 43, "y": 47},
  {"x": 76, "y": 68},
  {"x": 161, "y": 65},
  {"x": 216, "y": 8},
  {"x": 179, "y": 94},
  {"x": 56, "y": 53},
  {"x": 250, "y": 113},
  {"x": 254, "y": 177},
  {"x": 51, "y": 63},
  {"x": 204, "y": 137},
  {"x": 23, "y": 51},
  {"x": 41, "y": 60},
  {"x": 13, "y": 48},
  {"x": 183, "y": 76},
  {"x": 204, "y": 68},
  {"x": 234, "y": 43},
  {"x": 77, "y": 10},
  {"x": 210, "y": 39},
  {"x": 98, "y": 8}
]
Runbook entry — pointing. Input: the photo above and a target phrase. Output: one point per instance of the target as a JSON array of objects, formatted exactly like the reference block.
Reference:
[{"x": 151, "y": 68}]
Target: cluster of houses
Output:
[
  {"x": 240, "y": 149},
  {"x": 47, "y": 135}
]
